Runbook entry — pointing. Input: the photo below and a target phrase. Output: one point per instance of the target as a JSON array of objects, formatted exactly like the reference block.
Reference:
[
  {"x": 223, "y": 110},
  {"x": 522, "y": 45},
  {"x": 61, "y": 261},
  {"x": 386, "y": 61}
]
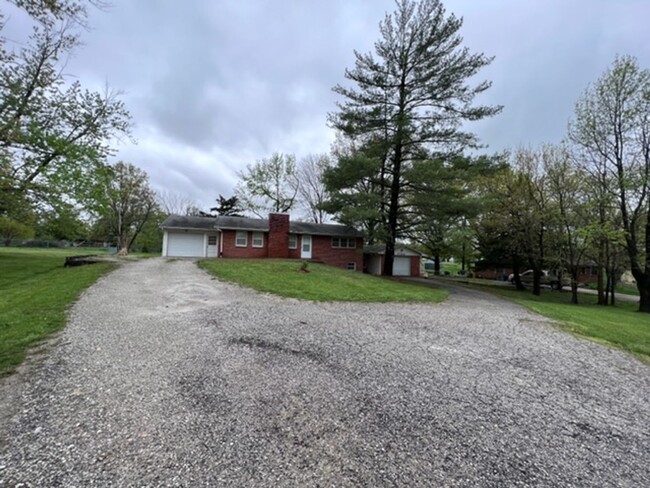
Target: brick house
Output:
[{"x": 275, "y": 237}]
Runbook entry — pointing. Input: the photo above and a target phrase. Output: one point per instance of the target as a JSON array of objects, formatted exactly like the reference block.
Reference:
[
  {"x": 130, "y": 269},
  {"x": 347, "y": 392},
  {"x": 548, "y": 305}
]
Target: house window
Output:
[
  {"x": 212, "y": 240},
  {"x": 352, "y": 266},
  {"x": 293, "y": 241},
  {"x": 258, "y": 239},
  {"x": 344, "y": 242},
  {"x": 241, "y": 238}
]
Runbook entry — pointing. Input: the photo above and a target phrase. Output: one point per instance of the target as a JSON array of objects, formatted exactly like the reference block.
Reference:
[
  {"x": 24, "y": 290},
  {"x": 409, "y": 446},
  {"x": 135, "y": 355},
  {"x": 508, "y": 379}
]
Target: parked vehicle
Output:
[{"x": 548, "y": 278}]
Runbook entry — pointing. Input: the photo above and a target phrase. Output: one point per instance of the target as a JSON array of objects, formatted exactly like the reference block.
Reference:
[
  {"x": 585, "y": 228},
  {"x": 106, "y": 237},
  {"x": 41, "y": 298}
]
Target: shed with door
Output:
[{"x": 406, "y": 261}]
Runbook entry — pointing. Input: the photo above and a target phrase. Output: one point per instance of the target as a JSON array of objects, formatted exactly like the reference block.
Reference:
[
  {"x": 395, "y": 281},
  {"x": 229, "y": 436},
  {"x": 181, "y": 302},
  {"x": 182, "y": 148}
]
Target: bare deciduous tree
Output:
[
  {"x": 311, "y": 188},
  {"x": 173, "y": 203}
]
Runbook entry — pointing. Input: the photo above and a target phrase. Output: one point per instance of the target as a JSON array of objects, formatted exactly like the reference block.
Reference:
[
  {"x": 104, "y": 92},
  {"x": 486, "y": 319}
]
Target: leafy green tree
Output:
[
  {"x": 12, "y": 229},
  {"x": 127, "y": 204},
  {"x": 442, "y": 197},
  {"x": 54, "y": 135},
  {"x": 151, "y": 236},
  {"x": 571, "y": 211},
  {"x": 515, "y": 216},
  {"x": 612, "y": 126},
  {"x": 412, "y": 98},
  {"x": 269, "y": 185},
  {"x": 62, "y": 223},
  {"x": 356, "y": 187}
]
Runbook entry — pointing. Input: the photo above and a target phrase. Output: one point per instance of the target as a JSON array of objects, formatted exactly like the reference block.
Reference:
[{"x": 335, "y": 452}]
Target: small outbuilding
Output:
[{"x": 407, "y": 262}]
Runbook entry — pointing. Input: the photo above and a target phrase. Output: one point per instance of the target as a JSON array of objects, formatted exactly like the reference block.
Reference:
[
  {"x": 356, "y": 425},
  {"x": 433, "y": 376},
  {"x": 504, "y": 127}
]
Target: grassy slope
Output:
[
  {"x": 322, "y": 283},
  {"x": 35, "y": 291},
  {"x": 620, "y": 288},
  {"x": 621, "y": 326}
]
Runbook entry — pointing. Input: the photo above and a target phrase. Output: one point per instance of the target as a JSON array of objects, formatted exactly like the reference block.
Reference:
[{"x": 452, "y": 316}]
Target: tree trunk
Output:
[
  {"x": 462, "y": 263},
  {"x": 537, "y": 276},
  {"x": 574, "y": 284},
  {"x": 601, "y": 285},
  {"x": 515, "y": 271},
  {"x": 389, "y": 255},
  {"x": 436, "y": 264},
  {"x": 644, "y": 294},
  {"x": 644, "y": 284}
]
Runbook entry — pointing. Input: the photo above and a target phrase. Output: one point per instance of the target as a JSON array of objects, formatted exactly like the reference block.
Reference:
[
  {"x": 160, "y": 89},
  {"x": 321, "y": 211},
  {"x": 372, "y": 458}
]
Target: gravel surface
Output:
[{"x": 166, "y": 377}]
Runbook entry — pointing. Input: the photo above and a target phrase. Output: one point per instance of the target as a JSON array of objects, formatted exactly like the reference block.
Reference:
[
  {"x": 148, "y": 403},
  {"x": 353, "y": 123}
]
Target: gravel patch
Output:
[{"x": 167, "y": 377}]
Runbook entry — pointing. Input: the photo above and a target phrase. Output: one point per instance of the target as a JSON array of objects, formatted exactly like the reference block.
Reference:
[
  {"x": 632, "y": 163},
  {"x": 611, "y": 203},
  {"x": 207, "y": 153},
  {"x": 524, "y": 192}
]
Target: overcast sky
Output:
[{"x": 215, "y": 84}]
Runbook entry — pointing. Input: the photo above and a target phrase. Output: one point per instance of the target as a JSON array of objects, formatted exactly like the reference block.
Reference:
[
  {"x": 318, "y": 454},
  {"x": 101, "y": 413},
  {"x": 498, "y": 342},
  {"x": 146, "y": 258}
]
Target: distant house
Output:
[
  {"x": 406, "y": 261},
  {"x": 275, "y": 237}
]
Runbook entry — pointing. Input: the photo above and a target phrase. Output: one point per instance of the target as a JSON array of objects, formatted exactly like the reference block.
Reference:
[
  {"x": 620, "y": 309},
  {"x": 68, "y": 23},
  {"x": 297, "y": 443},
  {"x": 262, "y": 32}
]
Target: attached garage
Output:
[{"x": 184, "y": 245}]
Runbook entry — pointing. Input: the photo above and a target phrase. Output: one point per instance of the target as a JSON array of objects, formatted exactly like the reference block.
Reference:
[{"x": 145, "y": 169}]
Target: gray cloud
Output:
[{"x": 214, "y": 85}]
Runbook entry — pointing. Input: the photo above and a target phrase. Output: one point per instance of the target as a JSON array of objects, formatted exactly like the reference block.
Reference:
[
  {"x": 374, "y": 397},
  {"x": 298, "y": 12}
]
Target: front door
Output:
[{"x": 305, "y": 249}]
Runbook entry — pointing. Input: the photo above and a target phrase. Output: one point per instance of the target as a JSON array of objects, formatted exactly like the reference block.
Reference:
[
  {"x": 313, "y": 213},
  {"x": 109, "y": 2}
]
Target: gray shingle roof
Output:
[
  {"x": 400, "y": 249},
  {"x": 211, "y": 223},
  {"x": 323, "y": 229},
  {"x": 245, "y": 223}
]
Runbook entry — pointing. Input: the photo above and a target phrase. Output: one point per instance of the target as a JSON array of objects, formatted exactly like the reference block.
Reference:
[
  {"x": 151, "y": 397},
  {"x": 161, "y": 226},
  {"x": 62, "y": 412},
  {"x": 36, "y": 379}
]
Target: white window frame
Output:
[
  {"x": 258, "y": 236},
  {"x": 352, "y": 266},
  {"x": 295, "y": 241},
  {"x": 238, "y": 235}
]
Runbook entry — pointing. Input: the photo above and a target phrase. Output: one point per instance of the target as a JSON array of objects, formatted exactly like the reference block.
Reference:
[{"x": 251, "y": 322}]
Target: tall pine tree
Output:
[{"x": 412, "y": 96}]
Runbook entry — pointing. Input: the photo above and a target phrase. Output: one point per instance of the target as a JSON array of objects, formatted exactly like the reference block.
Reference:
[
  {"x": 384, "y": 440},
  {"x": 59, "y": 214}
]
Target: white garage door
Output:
[
  {"x": 185, "y": 245},
  {"x": 402, "y": 266}
]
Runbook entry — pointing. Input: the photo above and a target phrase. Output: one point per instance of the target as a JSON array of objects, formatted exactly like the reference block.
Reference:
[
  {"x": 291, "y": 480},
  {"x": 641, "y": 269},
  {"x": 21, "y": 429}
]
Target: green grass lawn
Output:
[
  {"x": 322, "y": 283},
  {"x": 620, "y": 326},
  {"x": 620, "y": 288},
  {"x": 446, "y": 267},
  {"x": 35, "y": 292}
]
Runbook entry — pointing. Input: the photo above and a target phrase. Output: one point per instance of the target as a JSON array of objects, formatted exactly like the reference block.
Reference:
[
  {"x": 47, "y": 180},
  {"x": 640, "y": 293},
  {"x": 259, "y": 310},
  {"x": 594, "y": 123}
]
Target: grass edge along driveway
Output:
[
  {"x": 620, "y": 326},
  {"x": 35, "y": 294},
  {"x": 322, "y": 282}
]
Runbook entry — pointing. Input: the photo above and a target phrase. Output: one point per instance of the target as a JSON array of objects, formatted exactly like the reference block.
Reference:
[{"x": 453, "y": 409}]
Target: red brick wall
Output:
[
  {"x": 415, "y": 265},
  {"x": 295, "y": 253},
  {"x": 278, "y": 246},
  {"x": 322, "y": 250},
  {"x": 232, "y": 251}
]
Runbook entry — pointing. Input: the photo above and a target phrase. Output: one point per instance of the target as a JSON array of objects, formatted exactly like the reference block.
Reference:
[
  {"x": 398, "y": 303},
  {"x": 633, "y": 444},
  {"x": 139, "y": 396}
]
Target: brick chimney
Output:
[{"x": 278, "y": 235}]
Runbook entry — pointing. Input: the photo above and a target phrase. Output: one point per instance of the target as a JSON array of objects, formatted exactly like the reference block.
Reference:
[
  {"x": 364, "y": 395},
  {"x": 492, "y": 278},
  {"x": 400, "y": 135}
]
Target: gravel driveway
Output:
[{"x": 166, "y": 377}]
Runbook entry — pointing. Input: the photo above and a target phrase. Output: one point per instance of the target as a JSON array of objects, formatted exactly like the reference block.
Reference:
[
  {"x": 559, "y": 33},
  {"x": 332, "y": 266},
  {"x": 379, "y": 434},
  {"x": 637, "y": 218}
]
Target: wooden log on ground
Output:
[{"x": 81, "y": 260}]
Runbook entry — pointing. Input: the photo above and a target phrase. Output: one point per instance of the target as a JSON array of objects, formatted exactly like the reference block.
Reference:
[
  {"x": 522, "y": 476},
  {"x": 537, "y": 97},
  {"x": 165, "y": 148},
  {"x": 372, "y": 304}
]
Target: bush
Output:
[{"x": 12, "y": 229}]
